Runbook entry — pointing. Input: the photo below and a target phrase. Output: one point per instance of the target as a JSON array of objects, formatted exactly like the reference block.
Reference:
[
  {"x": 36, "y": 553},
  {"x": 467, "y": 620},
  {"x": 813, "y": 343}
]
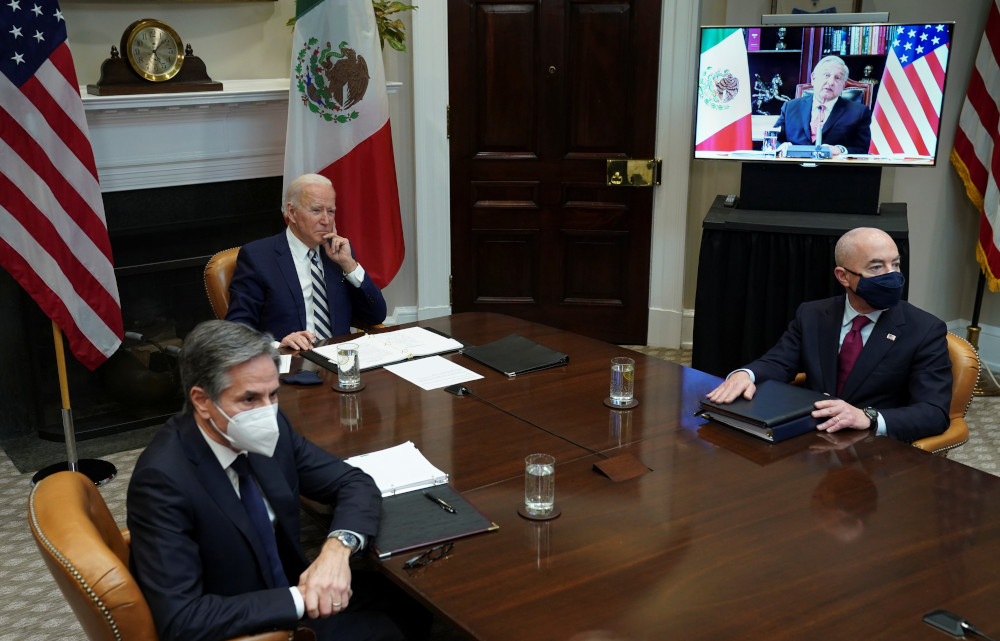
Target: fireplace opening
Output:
[{"x": 161, "y": 240}]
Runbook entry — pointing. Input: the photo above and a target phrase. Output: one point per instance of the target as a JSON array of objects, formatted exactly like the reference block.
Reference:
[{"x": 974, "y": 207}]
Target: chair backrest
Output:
[
  {"x": 88, "y": 557},
  {"x": 853, "y": 90},
  {"x": 965, "y": 374},
  {"x": 218, "y": 274}
]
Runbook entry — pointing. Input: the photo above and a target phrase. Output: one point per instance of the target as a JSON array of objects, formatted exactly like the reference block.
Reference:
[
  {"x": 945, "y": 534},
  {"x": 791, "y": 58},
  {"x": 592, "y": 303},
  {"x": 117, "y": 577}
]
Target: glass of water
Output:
[
  {"x": 348, "y": 366},
  {"x": 622, "y": 380},
  {"x": 539, "y": 484},
  {"x": 770, "y": 142}
]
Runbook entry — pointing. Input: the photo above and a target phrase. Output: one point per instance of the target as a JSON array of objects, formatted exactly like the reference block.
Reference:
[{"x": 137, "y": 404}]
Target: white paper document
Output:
[
  {"x": 433, "y": 372},
  {"x": 375, "y": 350},
  {"x": 399, "y": 469}
]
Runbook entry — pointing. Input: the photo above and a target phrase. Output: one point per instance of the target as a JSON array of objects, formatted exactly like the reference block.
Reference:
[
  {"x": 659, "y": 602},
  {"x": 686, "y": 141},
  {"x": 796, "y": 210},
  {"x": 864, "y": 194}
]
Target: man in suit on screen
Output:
[
  {"x": 303, "y": 284},
  {"x": 883, "y": 362},
  {"x": 843, "y": 125}
]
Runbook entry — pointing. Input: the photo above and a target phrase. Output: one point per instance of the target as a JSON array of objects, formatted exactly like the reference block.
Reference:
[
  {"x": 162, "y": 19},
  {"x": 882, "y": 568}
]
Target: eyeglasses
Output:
[{"x": 429, "y": 556}]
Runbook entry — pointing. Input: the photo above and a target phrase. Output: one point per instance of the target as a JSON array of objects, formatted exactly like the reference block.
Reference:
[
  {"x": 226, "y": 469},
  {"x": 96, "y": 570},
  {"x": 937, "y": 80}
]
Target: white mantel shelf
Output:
[{"x": 164, "y": 140}]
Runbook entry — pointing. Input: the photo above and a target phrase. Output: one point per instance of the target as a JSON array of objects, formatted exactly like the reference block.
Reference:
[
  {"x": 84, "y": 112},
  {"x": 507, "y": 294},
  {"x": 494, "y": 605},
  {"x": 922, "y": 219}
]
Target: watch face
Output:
[{"x": 153, "y": 49}]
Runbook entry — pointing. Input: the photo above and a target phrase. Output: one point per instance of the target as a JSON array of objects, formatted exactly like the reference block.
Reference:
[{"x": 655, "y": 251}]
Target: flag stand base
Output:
[{"x": 98, "y": 471}]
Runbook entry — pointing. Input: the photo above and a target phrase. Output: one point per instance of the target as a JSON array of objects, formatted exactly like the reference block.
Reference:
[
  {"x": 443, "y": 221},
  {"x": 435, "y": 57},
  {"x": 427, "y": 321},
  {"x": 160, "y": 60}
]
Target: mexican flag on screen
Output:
[
  {"x": 338, "y": 126},
  {"x": 723, "y": 122}
]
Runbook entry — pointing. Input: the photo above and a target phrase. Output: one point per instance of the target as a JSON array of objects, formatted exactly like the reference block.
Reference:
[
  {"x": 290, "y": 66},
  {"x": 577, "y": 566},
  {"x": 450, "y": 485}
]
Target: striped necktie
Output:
[{"x": 321, "y": 308}]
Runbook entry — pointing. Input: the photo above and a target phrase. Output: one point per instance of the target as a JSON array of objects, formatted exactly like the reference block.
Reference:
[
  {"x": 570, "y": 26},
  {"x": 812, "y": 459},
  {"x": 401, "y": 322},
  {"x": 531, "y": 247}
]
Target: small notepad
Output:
[{"x": 399, "y": 469}]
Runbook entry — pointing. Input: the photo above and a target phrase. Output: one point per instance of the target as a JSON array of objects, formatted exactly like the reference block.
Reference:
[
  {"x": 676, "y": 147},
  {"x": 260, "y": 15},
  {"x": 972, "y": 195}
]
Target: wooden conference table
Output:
[{"x": 727, "y": 537}]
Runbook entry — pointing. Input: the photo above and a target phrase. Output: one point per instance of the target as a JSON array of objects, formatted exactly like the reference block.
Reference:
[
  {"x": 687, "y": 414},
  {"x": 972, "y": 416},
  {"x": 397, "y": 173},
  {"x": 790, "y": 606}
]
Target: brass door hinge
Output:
[{"x": 634, "y": 173}]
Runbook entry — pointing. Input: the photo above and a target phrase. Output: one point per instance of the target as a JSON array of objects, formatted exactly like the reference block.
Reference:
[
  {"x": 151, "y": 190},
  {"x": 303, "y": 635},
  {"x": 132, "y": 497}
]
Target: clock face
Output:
[{"x": 153, "y": 50}]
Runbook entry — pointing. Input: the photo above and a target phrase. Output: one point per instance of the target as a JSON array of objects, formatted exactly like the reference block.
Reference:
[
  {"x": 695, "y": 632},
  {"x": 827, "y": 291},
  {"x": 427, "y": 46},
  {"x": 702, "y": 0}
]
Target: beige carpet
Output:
[{"x": 32, "y": 609}]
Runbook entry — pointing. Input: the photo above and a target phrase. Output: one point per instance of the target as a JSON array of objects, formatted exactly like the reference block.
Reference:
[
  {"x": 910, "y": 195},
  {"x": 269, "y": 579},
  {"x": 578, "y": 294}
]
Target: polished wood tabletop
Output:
[{"x": 840, "y": 536}]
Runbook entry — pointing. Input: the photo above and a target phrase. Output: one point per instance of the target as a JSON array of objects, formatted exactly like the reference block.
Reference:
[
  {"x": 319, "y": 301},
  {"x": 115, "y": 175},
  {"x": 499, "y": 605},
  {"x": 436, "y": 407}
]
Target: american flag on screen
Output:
[
  {"x": 908, "y": 107},
  {"x": 53, "y": 237}
]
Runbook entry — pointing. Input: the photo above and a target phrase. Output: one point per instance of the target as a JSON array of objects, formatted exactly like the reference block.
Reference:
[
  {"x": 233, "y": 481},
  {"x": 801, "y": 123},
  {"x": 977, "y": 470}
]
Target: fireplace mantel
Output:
[{"x": 165, "y": 140}]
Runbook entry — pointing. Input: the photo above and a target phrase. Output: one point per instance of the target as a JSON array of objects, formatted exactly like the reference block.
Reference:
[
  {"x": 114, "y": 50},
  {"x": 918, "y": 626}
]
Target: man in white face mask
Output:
[{"x": 213, "y": 510}]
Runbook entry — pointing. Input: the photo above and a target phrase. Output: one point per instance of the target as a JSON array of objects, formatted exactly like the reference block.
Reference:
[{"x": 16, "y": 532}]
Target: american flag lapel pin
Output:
[{"x": 891, "y": 337}]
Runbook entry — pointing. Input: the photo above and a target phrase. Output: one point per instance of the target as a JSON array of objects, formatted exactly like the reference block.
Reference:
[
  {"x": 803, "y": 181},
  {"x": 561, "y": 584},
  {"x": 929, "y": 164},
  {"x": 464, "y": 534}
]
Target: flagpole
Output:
[
  {"x": 986, "y": 385},
  {"x": 100, "y": 472}
]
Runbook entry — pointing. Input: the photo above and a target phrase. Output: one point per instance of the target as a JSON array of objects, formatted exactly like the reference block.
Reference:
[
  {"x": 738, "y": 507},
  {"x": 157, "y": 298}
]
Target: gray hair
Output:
[
  {"x": 215, "y": 347},
  {"x": 835, "y": 60},
  {"x": 293, "y": 194}
]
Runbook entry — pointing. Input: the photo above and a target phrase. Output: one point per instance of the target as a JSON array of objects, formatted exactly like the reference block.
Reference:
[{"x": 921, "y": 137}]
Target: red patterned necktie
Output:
[
  {"x": 850, "y": 350},
  {"x": 817, "y": 121}
]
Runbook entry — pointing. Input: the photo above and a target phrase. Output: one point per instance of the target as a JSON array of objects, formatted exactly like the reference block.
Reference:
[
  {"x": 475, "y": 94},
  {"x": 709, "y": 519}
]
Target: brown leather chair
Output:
[
  {"x": 853, "y": 90},
  {"x": 965, "y": 373},
  {"x": 88, "y": 557},
  {"x": 218, "y": 274}
]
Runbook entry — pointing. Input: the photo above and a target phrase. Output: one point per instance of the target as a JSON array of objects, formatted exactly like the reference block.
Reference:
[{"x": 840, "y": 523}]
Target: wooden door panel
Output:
[
  {"x": 505, "y": 98},
  {"x": 541, "y": 94},
  {"x": 598, "y": 80}
]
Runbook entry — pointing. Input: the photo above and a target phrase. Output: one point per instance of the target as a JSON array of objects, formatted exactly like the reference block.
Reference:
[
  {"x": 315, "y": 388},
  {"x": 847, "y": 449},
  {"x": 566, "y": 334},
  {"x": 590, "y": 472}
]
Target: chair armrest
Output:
[{"x": 956, "y": 434}]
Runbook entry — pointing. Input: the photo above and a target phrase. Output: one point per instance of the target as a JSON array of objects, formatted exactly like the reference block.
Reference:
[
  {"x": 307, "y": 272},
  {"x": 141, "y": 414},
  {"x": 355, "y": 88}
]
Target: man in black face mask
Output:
[{"x": 883, "y": 362}]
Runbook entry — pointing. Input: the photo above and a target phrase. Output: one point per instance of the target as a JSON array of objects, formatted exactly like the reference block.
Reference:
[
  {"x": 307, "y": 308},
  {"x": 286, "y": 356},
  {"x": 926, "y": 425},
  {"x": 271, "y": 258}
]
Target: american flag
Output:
[
  {"x": 908, "y": 107},
  {"x": 53, "y": 237},
  {"x": 977, "y": 153}
]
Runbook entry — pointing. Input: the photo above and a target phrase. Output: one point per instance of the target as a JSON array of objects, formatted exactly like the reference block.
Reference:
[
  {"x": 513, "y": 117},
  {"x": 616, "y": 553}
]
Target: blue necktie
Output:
[
  {"x": 253, "y": 502},
  {"x": 321, "y": 309}
]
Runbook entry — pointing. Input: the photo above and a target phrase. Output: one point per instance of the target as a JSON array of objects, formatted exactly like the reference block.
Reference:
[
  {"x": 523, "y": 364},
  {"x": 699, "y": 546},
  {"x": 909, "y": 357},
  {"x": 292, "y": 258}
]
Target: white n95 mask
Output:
[{"x": 254, "y": 430}]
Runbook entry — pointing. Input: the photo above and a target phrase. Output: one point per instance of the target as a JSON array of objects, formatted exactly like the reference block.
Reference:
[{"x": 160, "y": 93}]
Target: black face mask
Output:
[{"x": 882, "y": 291}]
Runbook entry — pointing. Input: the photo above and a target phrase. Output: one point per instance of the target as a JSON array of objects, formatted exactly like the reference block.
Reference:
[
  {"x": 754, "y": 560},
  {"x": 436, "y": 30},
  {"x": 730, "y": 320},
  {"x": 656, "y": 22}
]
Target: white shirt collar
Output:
[
  {"x": 828, "y": 105},
  {"x": 850, "y": 313},
  {"x": 296, "y": 246},
  {"x": 222, "y": 453}
]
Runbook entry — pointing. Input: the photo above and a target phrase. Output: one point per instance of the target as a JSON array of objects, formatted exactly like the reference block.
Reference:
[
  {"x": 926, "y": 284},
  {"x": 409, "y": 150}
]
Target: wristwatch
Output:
[
  {"x": 872, "y": 415},
  {"x": 349, "y": 539}
]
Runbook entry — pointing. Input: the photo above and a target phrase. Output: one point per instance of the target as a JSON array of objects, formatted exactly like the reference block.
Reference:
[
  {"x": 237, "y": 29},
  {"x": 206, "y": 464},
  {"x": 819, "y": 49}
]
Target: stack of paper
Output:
[
  {"x": 376, "y": 350},
  {"x": 399, "y": 469}
]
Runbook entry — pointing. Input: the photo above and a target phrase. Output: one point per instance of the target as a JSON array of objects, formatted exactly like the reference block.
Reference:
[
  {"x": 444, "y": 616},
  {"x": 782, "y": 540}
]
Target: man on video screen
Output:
[{"x": 843, "y": 126}]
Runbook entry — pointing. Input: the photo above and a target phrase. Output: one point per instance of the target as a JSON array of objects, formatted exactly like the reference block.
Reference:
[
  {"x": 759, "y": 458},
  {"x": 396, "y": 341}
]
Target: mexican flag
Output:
[
  {"x": 338, "y": 126},
  {"x": 723, "y": 92}
]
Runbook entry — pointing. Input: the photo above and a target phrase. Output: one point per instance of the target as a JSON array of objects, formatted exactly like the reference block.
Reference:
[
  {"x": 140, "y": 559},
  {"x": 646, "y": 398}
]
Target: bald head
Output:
[{"x": 863, "y": 252}]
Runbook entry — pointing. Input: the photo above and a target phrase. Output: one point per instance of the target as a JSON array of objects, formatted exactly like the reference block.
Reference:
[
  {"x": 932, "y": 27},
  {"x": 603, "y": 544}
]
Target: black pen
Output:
[{"x": 441, "y": 503}]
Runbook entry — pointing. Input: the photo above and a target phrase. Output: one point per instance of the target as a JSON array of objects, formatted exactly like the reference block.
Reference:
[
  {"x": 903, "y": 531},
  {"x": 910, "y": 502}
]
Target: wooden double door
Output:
[{"x": 542, "y": 94}]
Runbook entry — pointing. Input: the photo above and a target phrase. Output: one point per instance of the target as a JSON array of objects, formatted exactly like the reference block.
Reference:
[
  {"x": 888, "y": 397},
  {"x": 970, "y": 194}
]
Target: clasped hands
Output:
[{"x": 839, "y": 414}]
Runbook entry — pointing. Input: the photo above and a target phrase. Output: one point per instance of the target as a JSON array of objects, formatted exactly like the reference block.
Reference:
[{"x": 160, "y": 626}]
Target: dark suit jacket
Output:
[
  {"x": 907, "y": 379},
  {"x": 849, "y": 124},
  {"x": 265, "y": 292},
  {"x": 194, "y": 551}
]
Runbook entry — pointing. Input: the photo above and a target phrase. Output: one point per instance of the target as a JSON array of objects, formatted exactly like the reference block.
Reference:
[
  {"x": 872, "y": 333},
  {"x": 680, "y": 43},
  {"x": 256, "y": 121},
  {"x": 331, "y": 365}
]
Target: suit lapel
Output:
[
  {"x": 828, "y": 333},
  {"x": 218, "y": 487},
  {"x": 875, "y": 350},
  {"x": 835, "y": 114},
  {"x": 283, "y": 256},
  {"x": 805, "y": 111},
  {"x": 275, "y": 488}
]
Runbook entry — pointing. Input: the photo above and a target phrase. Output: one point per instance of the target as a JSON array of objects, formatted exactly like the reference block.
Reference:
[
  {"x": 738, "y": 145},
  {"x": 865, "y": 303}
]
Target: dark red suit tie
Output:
[{"x": 850, "y": 350}]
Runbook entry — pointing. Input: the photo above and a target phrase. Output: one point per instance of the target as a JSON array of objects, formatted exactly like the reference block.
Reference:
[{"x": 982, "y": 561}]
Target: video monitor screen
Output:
[{"x": 848, "y": 93}]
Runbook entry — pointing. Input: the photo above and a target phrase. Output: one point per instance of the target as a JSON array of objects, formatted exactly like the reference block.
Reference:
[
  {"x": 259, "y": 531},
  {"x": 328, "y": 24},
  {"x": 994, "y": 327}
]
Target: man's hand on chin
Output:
[
  {"x": 738, "y": 384},
  {"x": 325, "y": 586},
  {"x": 840, "y": 415}
]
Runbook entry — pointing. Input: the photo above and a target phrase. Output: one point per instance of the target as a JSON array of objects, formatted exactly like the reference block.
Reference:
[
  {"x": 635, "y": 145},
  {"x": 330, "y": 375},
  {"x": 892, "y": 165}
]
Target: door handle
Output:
[{"x": 634, "y": 173}]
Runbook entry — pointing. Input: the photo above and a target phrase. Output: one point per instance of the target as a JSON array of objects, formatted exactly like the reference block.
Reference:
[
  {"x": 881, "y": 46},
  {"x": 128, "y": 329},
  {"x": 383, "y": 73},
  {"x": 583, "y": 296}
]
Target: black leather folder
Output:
[
  {"x": 777, "y": 411},
  {"x": 410, "y": 521},
  {"x": 516, "y": 355}
]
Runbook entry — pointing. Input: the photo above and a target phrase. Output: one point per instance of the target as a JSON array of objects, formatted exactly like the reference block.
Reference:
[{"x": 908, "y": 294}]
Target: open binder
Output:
[
  {"x": 777, "y": 411},
  {"x": 516, "y": 355}
]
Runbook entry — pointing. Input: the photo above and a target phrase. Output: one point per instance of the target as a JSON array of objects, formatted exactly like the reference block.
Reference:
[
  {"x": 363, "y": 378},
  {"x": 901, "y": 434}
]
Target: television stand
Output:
[{"x": 789, "y": 186}]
